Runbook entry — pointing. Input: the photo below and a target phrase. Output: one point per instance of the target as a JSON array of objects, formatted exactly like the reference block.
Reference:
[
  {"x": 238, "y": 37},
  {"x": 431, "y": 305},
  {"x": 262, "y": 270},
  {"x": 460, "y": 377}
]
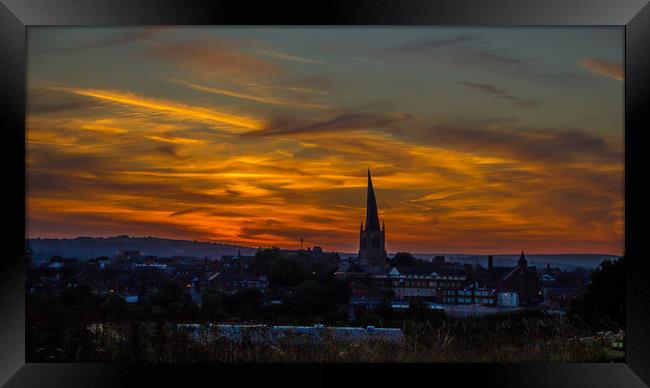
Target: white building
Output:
[{"x": 507, "y": 299}]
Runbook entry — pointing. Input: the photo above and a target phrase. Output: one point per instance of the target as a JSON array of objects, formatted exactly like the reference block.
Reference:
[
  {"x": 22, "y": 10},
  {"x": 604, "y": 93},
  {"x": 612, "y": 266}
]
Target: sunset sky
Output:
[{"x": 480, "y": 140}]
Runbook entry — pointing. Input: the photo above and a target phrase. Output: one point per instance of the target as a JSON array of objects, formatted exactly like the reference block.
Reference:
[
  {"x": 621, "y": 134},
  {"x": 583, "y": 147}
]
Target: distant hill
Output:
[
  {"x": 91, "y": 247},
  {"x": 563, "y": 261}
]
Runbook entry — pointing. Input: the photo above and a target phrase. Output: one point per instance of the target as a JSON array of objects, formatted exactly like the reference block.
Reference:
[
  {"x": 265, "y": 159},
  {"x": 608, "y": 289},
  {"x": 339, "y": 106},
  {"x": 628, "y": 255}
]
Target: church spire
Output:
[
  {"x": 522, "y": 262},
  {"x": 372, "y": 215}
]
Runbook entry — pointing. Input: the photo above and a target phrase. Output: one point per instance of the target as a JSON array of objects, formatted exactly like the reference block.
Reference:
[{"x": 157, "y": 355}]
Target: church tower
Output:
[{"x": 372, "y": 247}]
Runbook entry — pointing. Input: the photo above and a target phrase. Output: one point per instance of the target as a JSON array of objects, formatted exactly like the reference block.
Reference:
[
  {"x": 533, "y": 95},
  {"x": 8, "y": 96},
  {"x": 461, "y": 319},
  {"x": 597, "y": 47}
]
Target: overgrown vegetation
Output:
[{"x": 522, "y": 338}]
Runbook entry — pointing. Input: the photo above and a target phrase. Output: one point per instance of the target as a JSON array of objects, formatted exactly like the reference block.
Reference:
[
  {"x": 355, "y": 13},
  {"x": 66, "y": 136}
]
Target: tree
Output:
[
  {"x": 404, "y": 259},
  {"x": 339, "y": 290},
  {"x": 245, "y": 302},
  {"x": 261, "y": 264},
  {"x": 603, "y": 303},
  {"x": 287, "y": 272},
  {"x": 212, "y": 305},
  {"x": 173, "y": 301},
  {"x": 113, "y": 308},
  {"x": 385, "y": 310},
  {"x": 321, "y": 273},
  {"x": 168, "y": 293},
  {"x": 311, "y": 299},
  {"x": 419, "y": 310},
  {"x": 388, "y": 294}
]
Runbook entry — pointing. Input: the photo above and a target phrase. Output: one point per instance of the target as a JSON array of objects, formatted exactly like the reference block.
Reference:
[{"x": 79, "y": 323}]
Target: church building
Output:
[{"x": 372, "y": 239}]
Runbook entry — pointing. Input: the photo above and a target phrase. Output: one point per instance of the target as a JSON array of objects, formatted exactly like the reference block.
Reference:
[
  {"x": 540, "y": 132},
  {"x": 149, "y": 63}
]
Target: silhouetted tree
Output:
[
  {"x": 385, "y": 311},
  {"x": 246, "y": 303},
  {"x": 603, "y": 303},
  {"x": 173, "y": 301},
  {"x": 213, "y": 305},
  {"x": 287, "y": 272},
  {"x": 113, "y": 308},
  {"x": 419, "y": 310},
  {"x": 320, "y": 273},
  {"x": 388, "y": 294},
  {"x": 404, "y": 259},
  {"x": 311, "y": 299},
  {"x": 261, "y": 264},
  {"x": 339, "y": 290}
]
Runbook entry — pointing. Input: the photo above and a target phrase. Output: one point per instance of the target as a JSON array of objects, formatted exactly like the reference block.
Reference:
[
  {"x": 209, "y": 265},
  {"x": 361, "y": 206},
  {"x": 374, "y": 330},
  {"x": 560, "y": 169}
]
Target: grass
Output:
[{"x": 522, "y": 339}]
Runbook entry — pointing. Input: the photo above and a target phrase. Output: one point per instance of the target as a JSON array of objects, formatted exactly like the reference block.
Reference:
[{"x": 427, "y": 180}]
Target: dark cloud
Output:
[
  {"x": 45, "y": 101},
  {"x": 188, "y": 211},
  {"x": 500, "y": 93},
  {"x": 550, "y": 146},
  {"x": 100, "y": 183},
  {"x": 520, "y": 68},
  {"x": 279, "y": 230},
  {"x": 494, "y": 58},
  {"x": 167, "y": 149},
  {"x": 313, "y": 82},
  {"x": 343, "y": 122},
  {"x": 60, "y": 107}
]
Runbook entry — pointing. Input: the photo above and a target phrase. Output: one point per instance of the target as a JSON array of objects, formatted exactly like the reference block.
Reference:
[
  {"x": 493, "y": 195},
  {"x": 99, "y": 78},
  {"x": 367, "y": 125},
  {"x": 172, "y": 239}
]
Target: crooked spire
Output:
[{"x": 372, "y": 215}]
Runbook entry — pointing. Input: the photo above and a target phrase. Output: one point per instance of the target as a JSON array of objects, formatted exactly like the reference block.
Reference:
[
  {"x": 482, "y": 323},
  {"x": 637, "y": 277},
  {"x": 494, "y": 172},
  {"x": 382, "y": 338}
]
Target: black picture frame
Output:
[{"x": 16, "y": 15}]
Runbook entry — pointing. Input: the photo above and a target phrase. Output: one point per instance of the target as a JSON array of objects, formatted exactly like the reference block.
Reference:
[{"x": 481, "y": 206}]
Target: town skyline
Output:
[{"x": 478, "y": 143}]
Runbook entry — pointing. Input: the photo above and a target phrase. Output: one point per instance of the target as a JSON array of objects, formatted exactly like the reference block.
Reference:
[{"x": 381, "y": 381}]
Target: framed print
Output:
[{"x": 336, "y": 192}]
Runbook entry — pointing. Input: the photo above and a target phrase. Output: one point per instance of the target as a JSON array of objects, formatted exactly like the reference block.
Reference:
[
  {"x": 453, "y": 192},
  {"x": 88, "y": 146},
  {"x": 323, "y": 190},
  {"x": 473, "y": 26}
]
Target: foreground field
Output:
[{"x": 488, "y": 339}]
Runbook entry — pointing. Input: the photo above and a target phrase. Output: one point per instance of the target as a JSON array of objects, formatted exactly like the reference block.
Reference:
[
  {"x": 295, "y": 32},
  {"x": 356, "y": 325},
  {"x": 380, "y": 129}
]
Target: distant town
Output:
[
  {"x": 285, "y": 289},
  {"x": 373, "y": 277}
]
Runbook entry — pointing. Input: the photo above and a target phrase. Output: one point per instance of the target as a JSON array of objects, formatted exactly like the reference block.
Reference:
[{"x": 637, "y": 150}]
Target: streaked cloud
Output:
[
  {"x": 252, "y": 97},
  {"x": 176, "y": 110},
  {"x": 287, "y": 57},
  {"x": 343, "y": 122},
  {"x": 609, "y": 69},
  {"x": 500, "y": 93}
]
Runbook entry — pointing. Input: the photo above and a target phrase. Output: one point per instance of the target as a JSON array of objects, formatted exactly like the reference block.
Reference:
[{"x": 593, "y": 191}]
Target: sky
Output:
[{"x": 479, "y": 140}]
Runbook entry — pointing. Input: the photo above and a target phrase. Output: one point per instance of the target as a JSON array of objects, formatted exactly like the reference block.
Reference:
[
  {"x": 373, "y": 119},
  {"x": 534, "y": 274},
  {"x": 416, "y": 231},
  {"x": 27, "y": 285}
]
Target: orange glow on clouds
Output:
[
  {"x": 176, "y": 110},
  {"x": 269, "y": 158}
]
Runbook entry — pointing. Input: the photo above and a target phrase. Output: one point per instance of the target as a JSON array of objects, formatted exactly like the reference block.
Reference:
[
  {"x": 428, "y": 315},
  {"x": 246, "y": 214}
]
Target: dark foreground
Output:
[{"x": 528, "y": 337}]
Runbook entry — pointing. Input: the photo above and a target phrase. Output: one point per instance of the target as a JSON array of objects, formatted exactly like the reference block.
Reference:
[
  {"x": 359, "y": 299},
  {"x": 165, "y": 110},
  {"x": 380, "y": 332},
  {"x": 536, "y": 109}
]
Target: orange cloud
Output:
[
  {"x": 602, "y": 67},
  {"x": 273, "y": 191},
  {"x": 176, "y": 110},
  {"x": 212, "y": 56}
]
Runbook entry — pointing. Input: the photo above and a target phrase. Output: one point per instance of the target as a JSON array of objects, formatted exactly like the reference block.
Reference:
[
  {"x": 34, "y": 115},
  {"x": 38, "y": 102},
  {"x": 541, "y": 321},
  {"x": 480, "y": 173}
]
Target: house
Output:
[
  {"x": 472, "y": 294},
  {"x": 148, "y": 278},
  {"x": 559, "y": 297},
  {"x": 404, "y": 283},
  {"x": 521, "y": 280}
]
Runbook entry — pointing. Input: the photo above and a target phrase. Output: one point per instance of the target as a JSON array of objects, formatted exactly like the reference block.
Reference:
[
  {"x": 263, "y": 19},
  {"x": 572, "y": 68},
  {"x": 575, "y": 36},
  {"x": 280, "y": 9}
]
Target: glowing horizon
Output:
[{"x": 479, "y": 141}]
